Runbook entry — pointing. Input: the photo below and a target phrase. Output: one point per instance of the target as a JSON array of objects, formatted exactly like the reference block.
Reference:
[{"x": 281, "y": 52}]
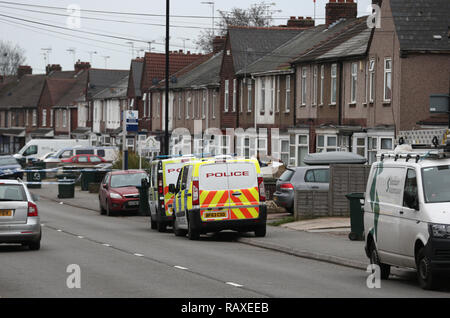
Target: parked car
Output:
[
  {"x": 108, "y": 153},
  {"x": 118, "y": 191},
  {"x": 83, "y": 161},
  {"x": 300, "y": 178},
  {"x": 19, "y": 218},
  {"x": 10, "y": 168}
]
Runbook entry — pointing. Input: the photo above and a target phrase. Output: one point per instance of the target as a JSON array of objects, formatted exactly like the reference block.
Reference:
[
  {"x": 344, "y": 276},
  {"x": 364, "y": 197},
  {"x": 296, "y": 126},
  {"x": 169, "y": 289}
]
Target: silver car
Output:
[
  {"x": 19, "y": 218},
  {"x": 300, "y": 178}
]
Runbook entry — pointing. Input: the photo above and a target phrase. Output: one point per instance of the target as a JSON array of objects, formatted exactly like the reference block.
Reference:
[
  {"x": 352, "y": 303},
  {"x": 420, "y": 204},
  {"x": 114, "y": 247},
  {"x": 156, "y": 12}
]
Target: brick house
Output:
[{"x": 244, "y": 46}]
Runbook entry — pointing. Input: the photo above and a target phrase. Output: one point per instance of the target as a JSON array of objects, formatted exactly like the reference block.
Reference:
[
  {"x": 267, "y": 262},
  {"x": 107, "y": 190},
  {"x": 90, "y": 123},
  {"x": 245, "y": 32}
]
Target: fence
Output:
[{"x": 344, "y": 179}]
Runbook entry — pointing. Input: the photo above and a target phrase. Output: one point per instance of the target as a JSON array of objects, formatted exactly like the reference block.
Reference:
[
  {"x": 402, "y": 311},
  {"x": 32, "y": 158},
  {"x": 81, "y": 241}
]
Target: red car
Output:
[
  {"x": 83, "y": 160},
  {"x": 118, "y": 191}
]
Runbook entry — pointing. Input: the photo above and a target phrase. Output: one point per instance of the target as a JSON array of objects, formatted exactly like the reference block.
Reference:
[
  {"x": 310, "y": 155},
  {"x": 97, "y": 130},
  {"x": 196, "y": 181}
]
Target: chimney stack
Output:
[
  {"x": 300, "y": 22},
  {"x": 340, "y": 9},
  {"x": 80, "y": 66},
  {"x": 53, "y": 68},
  {"x": 24, "y": 70},
  {"x": 218, "y": 44}
]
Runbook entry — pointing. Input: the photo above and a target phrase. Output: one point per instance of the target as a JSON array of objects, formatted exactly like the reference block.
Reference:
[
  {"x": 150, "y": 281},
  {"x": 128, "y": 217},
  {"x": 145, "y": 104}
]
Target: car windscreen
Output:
[
  {"x": 287, "y": 176},
  {"x": 436, "y": 184},
  {"x": 127, "y": 180},
  {"x": 8, "y": 161},
  {"x": 12, "y": 192}
]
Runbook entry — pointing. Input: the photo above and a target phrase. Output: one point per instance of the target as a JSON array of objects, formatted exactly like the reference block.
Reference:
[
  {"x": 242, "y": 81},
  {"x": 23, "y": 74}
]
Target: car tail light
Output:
[
  {"x": 195, "y": 193},
  {"x": 287, "y": 186},
  {"x": 32, "y": 209},
  {"x": 262, "y": 189},
  {"x": 160, "y": 186}
]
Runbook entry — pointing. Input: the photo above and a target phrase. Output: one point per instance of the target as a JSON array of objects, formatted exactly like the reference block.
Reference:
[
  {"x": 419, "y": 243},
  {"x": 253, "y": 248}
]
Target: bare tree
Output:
[
  {"x": 257, "y": 15},
  {"x": 11, "y": 56}
]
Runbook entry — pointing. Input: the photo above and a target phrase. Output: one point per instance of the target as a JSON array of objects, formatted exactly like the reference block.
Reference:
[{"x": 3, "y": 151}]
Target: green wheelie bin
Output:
[
  {"x": 66, "y": 186},
  {"x": 144, "y": 207},
  {"x": 87, "y": 176},
  {"x": 356, "y": 216}
]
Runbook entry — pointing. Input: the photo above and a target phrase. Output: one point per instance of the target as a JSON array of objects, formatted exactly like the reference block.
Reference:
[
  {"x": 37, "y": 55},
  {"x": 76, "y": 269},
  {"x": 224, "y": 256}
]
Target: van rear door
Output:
[
  {"x": 244, "y": 193},
  {"x": 214, "y": 198},
  {"x": 171, "y": 172}
]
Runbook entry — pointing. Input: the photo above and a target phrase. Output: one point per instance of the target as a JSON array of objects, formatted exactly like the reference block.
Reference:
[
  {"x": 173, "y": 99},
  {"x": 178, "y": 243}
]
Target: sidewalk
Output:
[{"x": 320, "y": 239}]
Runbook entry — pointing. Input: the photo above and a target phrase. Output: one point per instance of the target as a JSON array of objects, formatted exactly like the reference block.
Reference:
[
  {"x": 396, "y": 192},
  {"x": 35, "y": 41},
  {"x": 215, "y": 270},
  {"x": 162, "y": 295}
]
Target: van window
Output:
[
  {"x": 84, "y": 152},
  {"x": 101, "y": 153},
  {"x": 32, "y": 150},
  {"x": 184, "y": 178},
  {"x": 410, "y": 186},
  {"x": 436, "y": 184}
]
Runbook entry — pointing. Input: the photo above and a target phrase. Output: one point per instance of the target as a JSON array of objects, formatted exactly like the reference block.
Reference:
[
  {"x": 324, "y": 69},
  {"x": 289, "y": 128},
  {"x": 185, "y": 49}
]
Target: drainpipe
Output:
[{"x": 341, "y": 95}]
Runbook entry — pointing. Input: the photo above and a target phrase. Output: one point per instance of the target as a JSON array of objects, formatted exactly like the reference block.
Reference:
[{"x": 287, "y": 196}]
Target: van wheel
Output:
[
  {"x": 161, "y": 227},
  {"x": 192, "y": 234},
  {"x": 153, "y": 224},
  {"x": 260, "y": 231},
  {"x": 375, "y": 259},
  {"x": 427, "y": 279},
  {"x": 176, "y": 230}
]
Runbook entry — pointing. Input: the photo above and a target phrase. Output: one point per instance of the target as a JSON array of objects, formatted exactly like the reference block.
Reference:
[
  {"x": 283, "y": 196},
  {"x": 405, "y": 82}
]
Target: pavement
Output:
[{"x": 324, "y": 239}]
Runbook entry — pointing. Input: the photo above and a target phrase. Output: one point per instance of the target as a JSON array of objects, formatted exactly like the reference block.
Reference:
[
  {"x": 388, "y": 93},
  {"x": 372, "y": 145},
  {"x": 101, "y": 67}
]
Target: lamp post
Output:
[
  {"x": 166, "y": 134},
  {"x": 211, "y": 3}
]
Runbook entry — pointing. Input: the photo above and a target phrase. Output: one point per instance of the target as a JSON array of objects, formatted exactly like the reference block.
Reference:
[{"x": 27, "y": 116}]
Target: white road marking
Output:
[
  {"x": 181, "y": 267},
  {"x": 234, "y": 284},
  {"x": 59, "y": 230},
  {"x": 80, "y": 237},
  {"x": 107, "y": 245},
  {"x": 138, "y": 255}
]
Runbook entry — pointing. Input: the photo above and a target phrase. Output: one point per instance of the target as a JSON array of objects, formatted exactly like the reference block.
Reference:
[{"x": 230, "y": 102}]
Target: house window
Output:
[
  {"x": 277, "y": 104},
  {"x": 204, "y": 104},
  {"x": 241, "y": 96},
  {"x": 249, "y": 96},
  {"x": 285, "y": 151},
  {"x": 263, "y": 95},
  {"x": 227, "y": 95},
  {"x": 354, "y": 80},
  {"x": 316, "y": 69},
  {"x": 333, "y": 84},
  {"x": 34, "y": 120},
  {"x": 64, "y": 118},
  {"x": 304, "y": 86},
  {"x": 51, "y": 117},
  {"x": 188, "y": 102},
  {"x": 361, "y": 146},
  {"x": 387, "y": 79},
  {"x": 288, "y": 94},
  {"x": 158, "y": 106},
  {"x": 376, "y": 144},
  {"x": 302, "y": 149},
  {"x": 272, "y": 94},
  {"x": 234, "y": 94},
  {"x": 371, "y": 81},
  {"x": 322, "y": 82},
  {"x": 26, "y": 117},
  {"x": 179, "y": 106},
  {"x": 44, "y": 117},
  {"x": 214, "y": 105},
  {"x": 327, "y": 143}
]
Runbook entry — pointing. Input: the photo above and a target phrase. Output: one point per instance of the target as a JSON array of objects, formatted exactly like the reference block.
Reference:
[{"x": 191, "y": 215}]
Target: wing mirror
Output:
[{"x": 172, "y": 188}]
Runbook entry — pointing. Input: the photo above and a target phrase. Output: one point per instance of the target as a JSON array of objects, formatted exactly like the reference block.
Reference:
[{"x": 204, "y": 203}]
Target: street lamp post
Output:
[{"x": 166, "y": 134}]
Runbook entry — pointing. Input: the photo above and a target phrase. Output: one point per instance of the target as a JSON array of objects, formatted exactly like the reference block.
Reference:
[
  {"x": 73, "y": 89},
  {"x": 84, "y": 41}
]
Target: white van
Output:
[
  {"x": 110, "y": 154},
  {"x": 37, "y": 148},
  {"x": 407, "y": 213}
]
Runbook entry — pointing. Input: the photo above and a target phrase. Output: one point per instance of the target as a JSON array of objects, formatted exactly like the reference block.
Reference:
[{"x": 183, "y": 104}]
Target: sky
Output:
[{"x": 17, "y": 17}]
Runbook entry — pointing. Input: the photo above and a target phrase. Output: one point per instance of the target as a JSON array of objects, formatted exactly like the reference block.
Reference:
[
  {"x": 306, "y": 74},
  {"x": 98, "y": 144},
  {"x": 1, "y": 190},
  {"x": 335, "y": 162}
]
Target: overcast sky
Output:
[{"x": 33, "y": 40}]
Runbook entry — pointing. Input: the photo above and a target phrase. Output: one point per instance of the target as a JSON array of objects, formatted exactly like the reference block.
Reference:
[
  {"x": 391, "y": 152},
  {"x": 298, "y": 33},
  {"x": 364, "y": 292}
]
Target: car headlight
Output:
[
  {"x": 115, "y": 196},
  {"x": 439, "y": 230}
]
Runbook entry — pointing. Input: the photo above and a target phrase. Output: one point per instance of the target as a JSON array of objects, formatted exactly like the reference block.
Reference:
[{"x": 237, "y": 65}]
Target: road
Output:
[{"x": 122, "y": 257}]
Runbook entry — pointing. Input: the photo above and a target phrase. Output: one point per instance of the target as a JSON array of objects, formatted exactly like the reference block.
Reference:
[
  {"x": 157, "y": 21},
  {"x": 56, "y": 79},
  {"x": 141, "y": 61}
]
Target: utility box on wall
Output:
[{"x": 439, "y": 104}]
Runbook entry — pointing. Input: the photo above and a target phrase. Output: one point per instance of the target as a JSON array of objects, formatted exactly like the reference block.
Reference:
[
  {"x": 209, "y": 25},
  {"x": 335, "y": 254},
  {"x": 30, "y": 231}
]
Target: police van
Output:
[
  {"x": 164, "y": 171},
  {"x": 407, "y": 213},
  {"x": 215, "y": 194}
]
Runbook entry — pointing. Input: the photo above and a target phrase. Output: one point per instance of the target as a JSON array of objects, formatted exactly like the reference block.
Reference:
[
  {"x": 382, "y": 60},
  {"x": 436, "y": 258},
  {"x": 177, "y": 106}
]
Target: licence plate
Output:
[
  {"x": 215, "y": 215},
  {"x": 133, "y": 203},
  {"x": 6, "y": 213}
]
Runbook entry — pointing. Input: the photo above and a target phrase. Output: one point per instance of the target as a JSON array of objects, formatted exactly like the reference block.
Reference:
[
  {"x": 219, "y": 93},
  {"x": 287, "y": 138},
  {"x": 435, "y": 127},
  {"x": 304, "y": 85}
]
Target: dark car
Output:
[
  {"x": 10, "y": 168},
  {"x": 118, "y": 191},
  {"x": 300, "y": 178}
]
